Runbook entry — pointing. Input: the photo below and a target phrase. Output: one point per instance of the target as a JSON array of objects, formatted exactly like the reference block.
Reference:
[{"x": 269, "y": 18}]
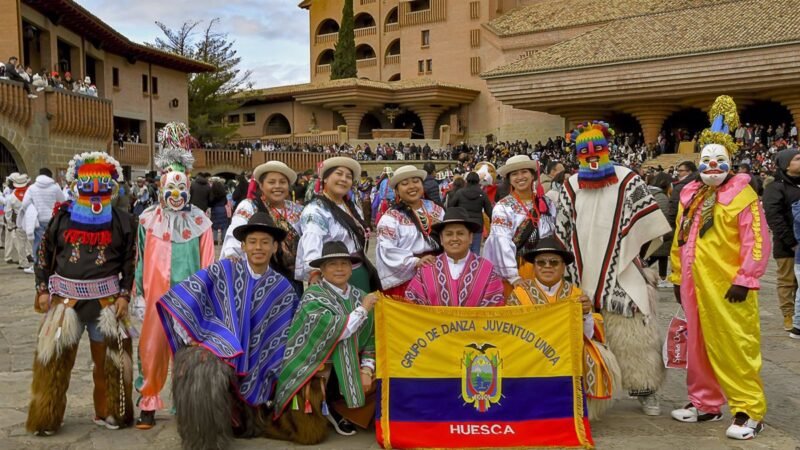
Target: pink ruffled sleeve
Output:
[{"x": 756, "y": 246}]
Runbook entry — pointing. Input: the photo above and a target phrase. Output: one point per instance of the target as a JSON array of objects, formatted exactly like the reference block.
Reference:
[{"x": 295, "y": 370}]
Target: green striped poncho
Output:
[{"x": 314, "y": 337}]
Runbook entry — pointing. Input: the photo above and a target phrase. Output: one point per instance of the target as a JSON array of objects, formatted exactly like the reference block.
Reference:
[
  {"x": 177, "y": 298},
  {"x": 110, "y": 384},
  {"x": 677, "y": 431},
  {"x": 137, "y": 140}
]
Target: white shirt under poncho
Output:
[
  {"x": 507, "y": 216},
  {"x": 317, "y": 226},
  {"x": 398, "y": 241}
]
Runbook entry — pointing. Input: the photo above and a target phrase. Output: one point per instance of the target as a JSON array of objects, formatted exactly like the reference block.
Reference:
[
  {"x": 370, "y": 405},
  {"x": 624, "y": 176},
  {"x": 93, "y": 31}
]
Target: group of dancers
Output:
[{"x": 278, "y": 334}]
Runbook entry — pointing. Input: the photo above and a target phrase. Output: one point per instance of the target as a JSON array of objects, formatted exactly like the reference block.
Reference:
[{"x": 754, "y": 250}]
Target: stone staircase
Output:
[{"x": 671, "y": 159}]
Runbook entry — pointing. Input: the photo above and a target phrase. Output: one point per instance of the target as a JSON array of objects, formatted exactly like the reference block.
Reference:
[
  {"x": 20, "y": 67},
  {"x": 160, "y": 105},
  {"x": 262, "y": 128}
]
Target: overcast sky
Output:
[{"x": 271, "y": 35}]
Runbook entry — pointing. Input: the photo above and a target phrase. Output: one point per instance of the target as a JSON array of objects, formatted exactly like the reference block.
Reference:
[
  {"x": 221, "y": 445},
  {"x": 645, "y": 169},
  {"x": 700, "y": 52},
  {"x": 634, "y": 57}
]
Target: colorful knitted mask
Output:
[
  {"x": 94, "y": 178},
  {"x": 717, "y": 142},
  {"x": 592, "y": 149}
]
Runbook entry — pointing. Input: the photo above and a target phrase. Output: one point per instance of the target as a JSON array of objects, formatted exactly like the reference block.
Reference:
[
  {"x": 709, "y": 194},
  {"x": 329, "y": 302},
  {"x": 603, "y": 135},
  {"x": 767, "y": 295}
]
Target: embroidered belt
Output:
[{"x": 83, "y": 289}]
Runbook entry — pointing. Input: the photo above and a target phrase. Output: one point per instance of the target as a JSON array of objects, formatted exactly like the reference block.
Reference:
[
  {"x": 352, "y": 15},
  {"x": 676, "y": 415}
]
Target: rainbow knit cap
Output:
[{"x": 591, "y": 145}]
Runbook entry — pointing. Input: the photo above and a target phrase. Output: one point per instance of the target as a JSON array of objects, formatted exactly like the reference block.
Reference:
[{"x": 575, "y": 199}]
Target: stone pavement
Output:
[{"x": 624, "y": 427}]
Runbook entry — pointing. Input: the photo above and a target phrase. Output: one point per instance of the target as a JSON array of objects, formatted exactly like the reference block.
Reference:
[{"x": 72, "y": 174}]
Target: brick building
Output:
[
  {"x": 529, "y": 69},
  {"x": 139, "y": 88}
]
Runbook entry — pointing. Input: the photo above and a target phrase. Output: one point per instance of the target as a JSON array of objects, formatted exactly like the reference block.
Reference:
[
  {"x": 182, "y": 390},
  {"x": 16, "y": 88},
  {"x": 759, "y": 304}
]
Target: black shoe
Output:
[
  {"x": 340, "y": 424},
  {"x": 795, "y": 333},
  {"x": 146, "y": 420}
]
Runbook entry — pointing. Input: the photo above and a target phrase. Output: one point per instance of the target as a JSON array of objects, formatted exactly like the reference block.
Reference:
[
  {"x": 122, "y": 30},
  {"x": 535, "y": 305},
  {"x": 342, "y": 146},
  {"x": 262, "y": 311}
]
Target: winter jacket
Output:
[
  {"x": 675, "y": 198},
  {"x": 432, "y": 190},
  {"x": 796, "y": 225},
  {"x": 474, "y": 200},
  {"x": 663, "y": 203},
  {"x": 779, "y": 196},
  {"x": 43, "y": 195},
  {"x": 200, "y": 193}
]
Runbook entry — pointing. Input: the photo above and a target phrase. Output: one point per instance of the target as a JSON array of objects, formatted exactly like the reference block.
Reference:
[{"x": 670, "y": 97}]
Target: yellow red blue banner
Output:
[{"x": 480, "y": 377}]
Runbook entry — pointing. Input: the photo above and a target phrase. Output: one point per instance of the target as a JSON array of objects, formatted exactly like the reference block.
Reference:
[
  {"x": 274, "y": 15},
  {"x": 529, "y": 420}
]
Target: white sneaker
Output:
[
  {"x": 690, "y": 414},
  {"x": 664, "y": 284},
  {"x": 109, "y": 422},
  {"x": 28, "y": 270},
  {"x": 744, "y": 428},
  {"x": 650, "y": 405},
  {"x": 32, "y": 96}
]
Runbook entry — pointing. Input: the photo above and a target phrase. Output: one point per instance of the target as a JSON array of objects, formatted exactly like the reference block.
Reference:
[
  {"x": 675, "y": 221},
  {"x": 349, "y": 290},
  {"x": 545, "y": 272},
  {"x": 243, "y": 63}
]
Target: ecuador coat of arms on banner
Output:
[
  {"x": 481, "y": 382},
  {"x": 480, "y": 377}
]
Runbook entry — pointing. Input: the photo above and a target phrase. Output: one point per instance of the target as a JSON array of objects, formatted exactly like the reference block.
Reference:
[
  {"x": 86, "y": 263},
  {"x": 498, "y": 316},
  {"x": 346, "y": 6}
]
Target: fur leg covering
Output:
[
  {"x": 202, "y": 398},
  {"x": 52, "y": 367},
  {"x": 596, "y": 407},
  {"x": 297, "y": 426},
  {"x": 118, "y": 367},
  {"x": 637, "y": 345}
]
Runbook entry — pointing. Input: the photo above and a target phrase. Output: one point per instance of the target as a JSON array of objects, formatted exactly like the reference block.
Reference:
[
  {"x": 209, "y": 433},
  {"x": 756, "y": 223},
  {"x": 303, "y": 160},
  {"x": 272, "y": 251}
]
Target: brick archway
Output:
[{"x": 11, "y": 156}]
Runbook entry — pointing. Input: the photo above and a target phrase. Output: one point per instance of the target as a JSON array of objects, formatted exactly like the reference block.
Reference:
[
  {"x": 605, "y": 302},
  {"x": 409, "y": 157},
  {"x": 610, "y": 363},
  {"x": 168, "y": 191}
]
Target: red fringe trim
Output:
[
  {"x": 587, "y": 184},
  {"x": 88, "y": 237}
]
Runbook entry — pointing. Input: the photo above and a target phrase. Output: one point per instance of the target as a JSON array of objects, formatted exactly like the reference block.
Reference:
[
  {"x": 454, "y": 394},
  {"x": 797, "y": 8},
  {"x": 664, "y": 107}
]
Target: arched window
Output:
[
  {"x": 392, "y": 16},
  {"x": 395, "y": 77},
  {"x": 277, "y": 124},
  {"x": 393, "y": 48},
  {"x": 364, "y": 51},
  {"x": 326, "y": 57},
  {"x": 327, "y": 26},
  {"x": 363, "y": 20}
]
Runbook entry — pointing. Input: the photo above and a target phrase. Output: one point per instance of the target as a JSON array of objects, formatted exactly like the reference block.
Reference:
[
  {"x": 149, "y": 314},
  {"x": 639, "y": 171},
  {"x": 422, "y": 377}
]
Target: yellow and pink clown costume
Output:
[
  {"x": 719, "y": 253},
  {"x": 175, "y": 240}
]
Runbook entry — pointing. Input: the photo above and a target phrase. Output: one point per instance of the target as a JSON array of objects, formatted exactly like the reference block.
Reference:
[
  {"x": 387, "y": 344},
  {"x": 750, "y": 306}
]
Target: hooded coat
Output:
[
  {"x": 778, "y": 199},
  {"x": 43, "y": 195},
  {"x": 474, "y": 200}
]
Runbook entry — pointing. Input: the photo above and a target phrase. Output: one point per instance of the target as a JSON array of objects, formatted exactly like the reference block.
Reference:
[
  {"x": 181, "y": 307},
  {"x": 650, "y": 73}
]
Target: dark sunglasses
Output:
[{"x": 548, "y": 262}]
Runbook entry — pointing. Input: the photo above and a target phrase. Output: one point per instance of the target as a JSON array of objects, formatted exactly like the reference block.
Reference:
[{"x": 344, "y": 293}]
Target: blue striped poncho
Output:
[{"x": 243, "y": 320}]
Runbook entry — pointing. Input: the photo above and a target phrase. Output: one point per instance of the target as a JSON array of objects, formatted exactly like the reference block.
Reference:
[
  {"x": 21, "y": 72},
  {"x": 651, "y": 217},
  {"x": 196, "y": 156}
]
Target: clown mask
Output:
[
  {"x": 715, "y": 164},
  {"x": 175, "y": 190},
  {"x": 95, "y": 186}
]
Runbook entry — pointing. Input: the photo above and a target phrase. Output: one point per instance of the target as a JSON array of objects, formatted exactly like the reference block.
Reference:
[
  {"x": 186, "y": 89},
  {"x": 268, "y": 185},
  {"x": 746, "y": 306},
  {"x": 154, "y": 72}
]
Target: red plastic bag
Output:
[{"x": 676, "y": 343}]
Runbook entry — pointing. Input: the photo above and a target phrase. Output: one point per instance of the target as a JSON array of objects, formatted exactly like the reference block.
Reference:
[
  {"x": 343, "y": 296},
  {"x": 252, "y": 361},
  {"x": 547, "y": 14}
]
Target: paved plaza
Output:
[{"x": 623, "y": 428}]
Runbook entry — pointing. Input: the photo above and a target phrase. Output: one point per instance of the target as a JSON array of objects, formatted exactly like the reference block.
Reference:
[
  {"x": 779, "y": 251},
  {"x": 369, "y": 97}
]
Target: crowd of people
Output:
[
  {"x": 44, "y": 79},
  {"x": 277, "y": 331}
]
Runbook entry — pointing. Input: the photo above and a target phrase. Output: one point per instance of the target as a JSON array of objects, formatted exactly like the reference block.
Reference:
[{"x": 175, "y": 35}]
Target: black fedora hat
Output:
[
  {"x": 457, "y": 214},
  {"x": 550, "y": 245},
  {"x": 334, "y": 250},
  {"x": 260, "y": 221}
]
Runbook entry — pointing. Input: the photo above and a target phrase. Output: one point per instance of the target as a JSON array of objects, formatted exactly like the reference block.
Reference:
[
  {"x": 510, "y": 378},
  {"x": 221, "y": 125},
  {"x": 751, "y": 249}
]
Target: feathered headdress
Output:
[
  {"x": 724, "y": 119},
  {"x": 175, "y": 142},
  {"x": 99, "y": 158}
]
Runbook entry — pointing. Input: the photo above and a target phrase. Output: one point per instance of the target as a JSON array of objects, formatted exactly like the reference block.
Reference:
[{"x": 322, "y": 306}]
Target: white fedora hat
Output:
[
  {"x": 405, "y": 173},
  {"x": 19, "y": 180},
  {"x": 517, "y": 163},
  {"x": 275, "y": 166},
  {"x": 340, "y": 161}
]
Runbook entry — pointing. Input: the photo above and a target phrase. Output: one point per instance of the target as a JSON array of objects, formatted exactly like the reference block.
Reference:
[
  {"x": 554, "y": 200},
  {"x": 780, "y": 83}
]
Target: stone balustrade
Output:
[
  {"x": 79, "y": 115},
  {"x": 367, "y": 62},
  {"x": 131, "y": 154},
  {"x": 366, "y": 31},
  {"x": 14, "y": 103}
]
